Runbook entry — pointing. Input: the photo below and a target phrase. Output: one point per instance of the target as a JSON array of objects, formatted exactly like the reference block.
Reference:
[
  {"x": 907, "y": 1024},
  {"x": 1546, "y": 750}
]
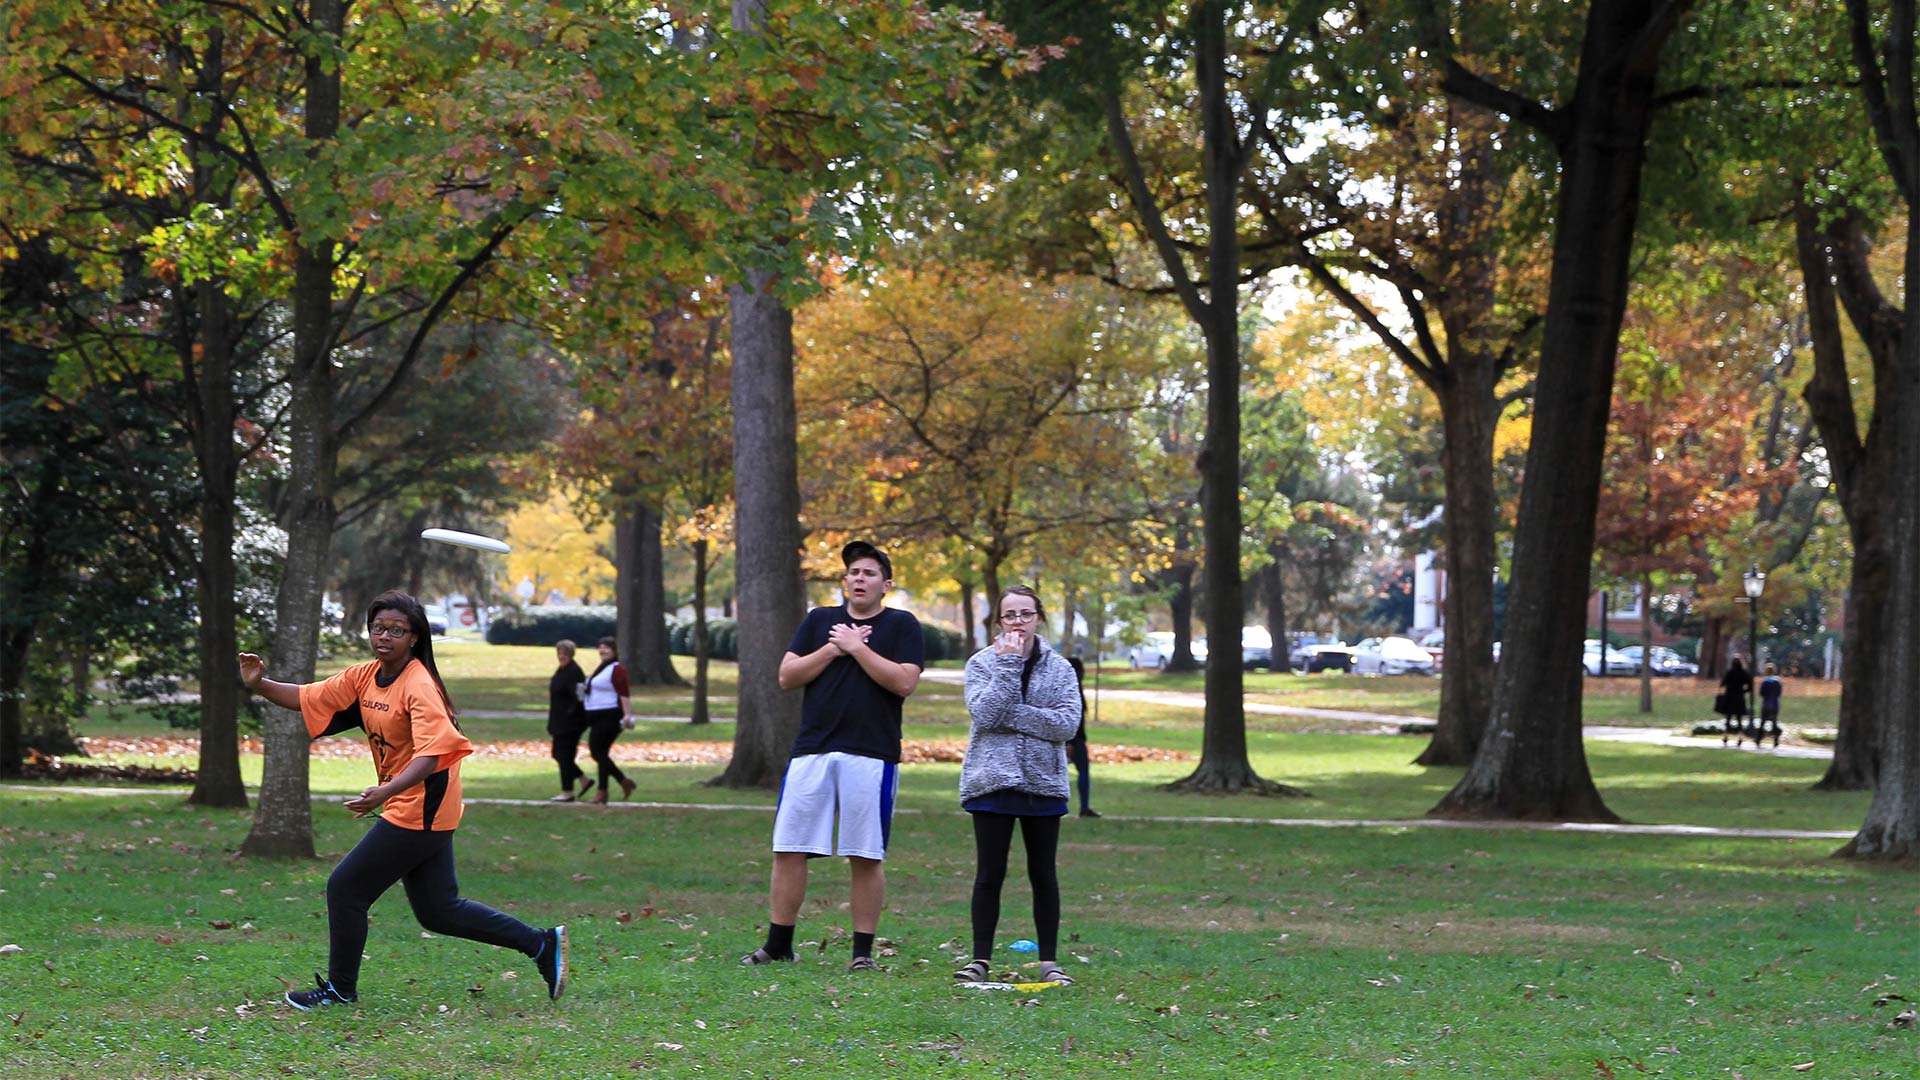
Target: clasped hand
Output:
[{"x": 845, "y": 636}]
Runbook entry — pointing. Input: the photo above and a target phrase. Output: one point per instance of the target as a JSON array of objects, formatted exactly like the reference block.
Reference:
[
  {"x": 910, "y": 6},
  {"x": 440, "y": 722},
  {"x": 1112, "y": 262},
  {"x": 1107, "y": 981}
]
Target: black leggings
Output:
[
  {"x": 422, "y": 860},
  {"x": 603, "y": 728},
  {"x": 993, "y": 839},
  {"x": 566, "y": 745}
]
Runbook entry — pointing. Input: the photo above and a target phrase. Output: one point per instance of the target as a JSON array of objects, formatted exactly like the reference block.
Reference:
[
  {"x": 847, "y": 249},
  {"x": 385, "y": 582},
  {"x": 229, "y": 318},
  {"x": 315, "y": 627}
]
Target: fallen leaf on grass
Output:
[
  {"x": 1803, "y": 1067},
  {"x": 1906, "y": 1019},
  {"x": 1601, "y": 1071},
  {"x": 668, "y": 1046},
  {"x": 477, "y": 988},
  {"x": 220, "y": 924},
  {"x": 1168, "y": 1010},
  {"x": 10, "y": 948},
  {"x": 701, "y": 1024}
]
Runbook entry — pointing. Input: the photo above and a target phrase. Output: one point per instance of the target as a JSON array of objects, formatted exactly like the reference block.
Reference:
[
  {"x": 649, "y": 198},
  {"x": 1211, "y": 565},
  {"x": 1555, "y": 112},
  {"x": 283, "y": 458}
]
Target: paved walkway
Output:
[
  {"x": 1372, "y": 723},
  {"x": 1624, "y": 829}
]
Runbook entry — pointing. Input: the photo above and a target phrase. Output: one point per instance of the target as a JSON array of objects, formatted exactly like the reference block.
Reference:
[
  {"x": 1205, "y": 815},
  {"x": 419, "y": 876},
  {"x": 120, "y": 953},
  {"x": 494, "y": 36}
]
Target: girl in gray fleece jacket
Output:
[{"x": 1024, "y": 703}]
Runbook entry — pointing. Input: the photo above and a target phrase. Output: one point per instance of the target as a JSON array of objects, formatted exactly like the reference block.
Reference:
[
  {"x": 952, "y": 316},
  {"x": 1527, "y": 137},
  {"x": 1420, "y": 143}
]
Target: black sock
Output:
[
  {"x": 862, "y": 945},
  {"x": 779, "y": 940}
]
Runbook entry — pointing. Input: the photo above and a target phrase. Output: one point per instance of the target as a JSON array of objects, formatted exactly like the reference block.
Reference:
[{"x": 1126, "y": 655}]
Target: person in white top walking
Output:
[{"x": 608, "y": 714}]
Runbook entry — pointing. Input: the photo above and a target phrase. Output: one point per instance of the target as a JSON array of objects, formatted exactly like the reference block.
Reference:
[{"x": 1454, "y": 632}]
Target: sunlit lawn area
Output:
[
  {"x": 1202, "y": 950},
  {"x": 1228, "y": 947}
]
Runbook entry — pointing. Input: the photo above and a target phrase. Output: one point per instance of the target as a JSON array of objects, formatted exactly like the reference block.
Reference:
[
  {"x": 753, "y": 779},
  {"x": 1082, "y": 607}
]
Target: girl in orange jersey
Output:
[{"x": 397, "y": 698}]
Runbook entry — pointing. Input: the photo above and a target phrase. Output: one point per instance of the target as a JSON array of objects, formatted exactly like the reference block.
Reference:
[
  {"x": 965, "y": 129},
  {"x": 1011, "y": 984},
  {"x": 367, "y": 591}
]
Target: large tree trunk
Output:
[
  {"x": 1861, "y": 474},
  {"x": 700, "y": 714},
  {"x": 283, "y": 820},
  {"x": 218, "y": 780},
  {"x": 1532, "y": 763},
  {"x": 1224, "y": 765},
  {"x": 1646, "y": 643},
  {"x": 766, "y": 492},
  {"x": 1180, "y": 605},
  {"x": 1273, "y": 581},
  {"x": 1892, "y": 826},
  {"x": 1468, "y": 413},
  {"x": 652, "y": 658}
]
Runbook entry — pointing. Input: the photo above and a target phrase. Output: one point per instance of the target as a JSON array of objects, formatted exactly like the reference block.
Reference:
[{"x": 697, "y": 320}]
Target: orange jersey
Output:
[{"x": 403, "y": 720}]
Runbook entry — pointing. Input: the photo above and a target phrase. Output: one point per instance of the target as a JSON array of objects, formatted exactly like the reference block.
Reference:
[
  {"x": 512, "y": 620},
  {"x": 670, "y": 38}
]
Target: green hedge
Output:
[{"x": 584, "y": 625}]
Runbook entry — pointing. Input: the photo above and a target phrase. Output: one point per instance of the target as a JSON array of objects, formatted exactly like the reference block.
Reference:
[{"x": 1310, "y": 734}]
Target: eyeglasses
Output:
[
  {"x": 1018, "y": 616},
  {"x": 388, "y": 630}
]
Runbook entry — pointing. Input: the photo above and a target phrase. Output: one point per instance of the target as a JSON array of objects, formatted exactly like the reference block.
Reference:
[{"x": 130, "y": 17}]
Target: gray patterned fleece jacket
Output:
[{"x": 1018, "y": 741}]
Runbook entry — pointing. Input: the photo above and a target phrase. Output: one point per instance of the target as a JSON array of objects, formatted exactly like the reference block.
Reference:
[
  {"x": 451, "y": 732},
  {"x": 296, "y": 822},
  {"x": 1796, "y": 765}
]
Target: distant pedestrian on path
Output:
[
  {"x": 1077, "y": 746},
  {"x": 567, "y": 721},
  {"x": 608, "y": 714},
  {"x": 1770, "y": 690},
  {"x": 1732, "y": 704},
  {"x": 401, "y": 703},
  {"x": 1024, "y": 702},
  {"x": 858, "y": 661}
]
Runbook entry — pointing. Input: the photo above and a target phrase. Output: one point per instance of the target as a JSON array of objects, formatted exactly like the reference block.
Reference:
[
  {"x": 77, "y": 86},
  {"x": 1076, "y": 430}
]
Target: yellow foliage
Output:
[{"x": 554, "y": 549}]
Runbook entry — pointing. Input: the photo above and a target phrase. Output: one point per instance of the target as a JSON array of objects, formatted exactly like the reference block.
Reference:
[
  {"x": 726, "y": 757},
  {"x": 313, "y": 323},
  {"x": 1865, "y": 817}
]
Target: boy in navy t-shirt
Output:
[{"x": 858, "y": 661}]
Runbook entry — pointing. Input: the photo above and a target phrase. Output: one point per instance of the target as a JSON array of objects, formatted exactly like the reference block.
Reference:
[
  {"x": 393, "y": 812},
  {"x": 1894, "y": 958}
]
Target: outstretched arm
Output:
[{"x": 253, "y": 672}]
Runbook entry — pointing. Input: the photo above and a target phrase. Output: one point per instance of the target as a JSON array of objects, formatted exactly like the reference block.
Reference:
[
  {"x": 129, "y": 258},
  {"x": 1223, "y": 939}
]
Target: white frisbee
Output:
[{"x": 466, "y": 540}]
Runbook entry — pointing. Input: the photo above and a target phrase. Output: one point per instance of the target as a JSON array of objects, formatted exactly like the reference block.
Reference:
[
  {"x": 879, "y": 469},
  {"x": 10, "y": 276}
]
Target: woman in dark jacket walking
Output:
[{"x": 567, "y": 721}]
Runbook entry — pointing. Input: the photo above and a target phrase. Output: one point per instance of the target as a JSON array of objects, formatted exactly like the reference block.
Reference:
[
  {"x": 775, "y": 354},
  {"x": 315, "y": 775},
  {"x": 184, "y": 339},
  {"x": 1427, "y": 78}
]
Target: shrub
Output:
[
  {"x": 942, "y": 642},
  {"x": 546, "y": 625}
]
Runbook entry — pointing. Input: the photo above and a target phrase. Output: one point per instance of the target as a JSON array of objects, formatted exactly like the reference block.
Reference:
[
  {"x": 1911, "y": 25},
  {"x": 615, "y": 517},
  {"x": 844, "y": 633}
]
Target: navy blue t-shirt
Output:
[{"x": 844, "y": 709}]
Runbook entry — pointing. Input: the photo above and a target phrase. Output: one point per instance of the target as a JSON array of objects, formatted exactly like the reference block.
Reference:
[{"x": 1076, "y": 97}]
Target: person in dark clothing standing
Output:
[
  {"x": 1770, "y": 689},
  {"x": 858, "y": 661},
  {"x": 1732, "y": 703},
  {"x": 401, "y": 703},
  {"x": 1077, "y": 746},
  {"x": 566, "y": 721}
]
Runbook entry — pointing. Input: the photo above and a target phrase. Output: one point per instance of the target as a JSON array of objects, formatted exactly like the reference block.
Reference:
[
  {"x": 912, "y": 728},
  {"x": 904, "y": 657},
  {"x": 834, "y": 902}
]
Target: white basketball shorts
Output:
[{"x": 819, "y": 788}]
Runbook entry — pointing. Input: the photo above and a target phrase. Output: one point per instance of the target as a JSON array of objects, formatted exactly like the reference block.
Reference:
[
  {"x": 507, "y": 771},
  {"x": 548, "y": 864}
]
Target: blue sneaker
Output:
[
  {"x": 552, "y": 962},
  {"x": 322, "y": 994}
]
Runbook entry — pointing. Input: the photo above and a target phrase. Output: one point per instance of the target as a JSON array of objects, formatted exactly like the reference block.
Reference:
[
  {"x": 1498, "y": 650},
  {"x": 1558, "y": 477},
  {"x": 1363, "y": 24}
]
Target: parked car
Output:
[
  {"x": 1256, "y": 647},
  {"x": 1435, "y": 642},
  {"x": 1616, "y": 661},
  {"x": 1664, "y": 661},
  {"x": 1312, "y": 656},
  {"x": 1391, "y": 656},
  {"x": 1157, "y": 649},
  {"x": 436, "y": 620}
]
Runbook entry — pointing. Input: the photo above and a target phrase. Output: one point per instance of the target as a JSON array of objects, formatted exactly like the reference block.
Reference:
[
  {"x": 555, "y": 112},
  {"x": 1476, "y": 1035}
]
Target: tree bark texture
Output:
[
  {"x": 766, "y": 486},
  {"x": 701, "y": 568},
  {"x": 653, "y": 650},
  {"x": 1468, "y": 413},
  {"x": 1832, "y": 263},
  {"x": 1891, "y": 830},
  {"x": 218, "y": 781},
  {"x": 283, "y": 819},
  {"x": 1532, "y": 763},
  {"x": 1224, "y": 765},
  {"x": 1273, "y": 579}
]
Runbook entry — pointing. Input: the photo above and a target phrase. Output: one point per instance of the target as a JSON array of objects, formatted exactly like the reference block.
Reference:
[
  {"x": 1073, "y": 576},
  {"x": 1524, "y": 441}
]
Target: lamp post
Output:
[{"x": 1754, "y": 582}]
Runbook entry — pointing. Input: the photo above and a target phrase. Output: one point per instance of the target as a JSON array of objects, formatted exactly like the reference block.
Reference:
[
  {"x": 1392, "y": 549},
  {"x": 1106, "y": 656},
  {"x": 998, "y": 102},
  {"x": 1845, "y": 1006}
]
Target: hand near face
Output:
[{"x": 1013, "y": 642}]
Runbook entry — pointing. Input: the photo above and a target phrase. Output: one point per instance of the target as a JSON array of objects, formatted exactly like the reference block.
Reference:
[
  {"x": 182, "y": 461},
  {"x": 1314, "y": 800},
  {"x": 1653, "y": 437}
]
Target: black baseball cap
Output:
[{"x": 860, "y": 549}]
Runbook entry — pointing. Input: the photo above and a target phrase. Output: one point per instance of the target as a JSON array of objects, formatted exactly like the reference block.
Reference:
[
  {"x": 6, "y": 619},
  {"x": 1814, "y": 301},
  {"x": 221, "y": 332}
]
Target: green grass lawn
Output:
[
  {"x": 1231, "y": 950},
  {"x": 1228, "y": 947}
]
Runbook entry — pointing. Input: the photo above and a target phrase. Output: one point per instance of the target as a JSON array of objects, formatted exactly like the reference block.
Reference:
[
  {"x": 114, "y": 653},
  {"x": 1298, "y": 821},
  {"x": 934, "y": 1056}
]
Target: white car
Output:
[
  {"x": 1391, "y": 656},
  {"x": 1618, "y": 663},
  {"x": 1157, "y": 649}
]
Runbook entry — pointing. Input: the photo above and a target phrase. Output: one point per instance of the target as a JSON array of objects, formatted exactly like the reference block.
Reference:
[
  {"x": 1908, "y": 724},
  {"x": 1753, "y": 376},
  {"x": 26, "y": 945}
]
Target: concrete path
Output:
[
  {"x": 1625, "y": 829},
  {"x": 1372, "y": 723}
]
